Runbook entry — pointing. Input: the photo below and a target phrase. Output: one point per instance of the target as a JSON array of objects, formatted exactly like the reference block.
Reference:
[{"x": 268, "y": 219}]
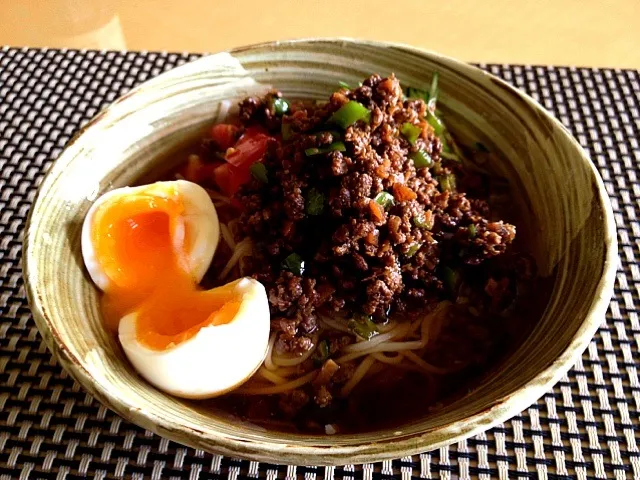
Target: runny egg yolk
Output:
[{"x": 139, "y": 241}]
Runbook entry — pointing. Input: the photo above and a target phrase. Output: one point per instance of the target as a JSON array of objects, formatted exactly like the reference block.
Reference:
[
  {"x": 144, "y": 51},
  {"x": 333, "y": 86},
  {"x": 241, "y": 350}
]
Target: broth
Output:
[{"x": 330, "y": 233}]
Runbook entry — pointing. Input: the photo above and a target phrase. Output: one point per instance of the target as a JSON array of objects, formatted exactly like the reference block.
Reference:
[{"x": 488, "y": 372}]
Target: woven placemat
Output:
[{"x": 586, "y": 427}]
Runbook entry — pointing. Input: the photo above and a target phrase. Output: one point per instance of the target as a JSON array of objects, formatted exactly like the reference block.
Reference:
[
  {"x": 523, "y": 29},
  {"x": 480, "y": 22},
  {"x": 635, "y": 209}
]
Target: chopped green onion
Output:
[
  {"x": 421, "y": 159},
  {"x": 411, "y": 132},
  {"x": 363, "y": 326},
  {"x": 473, "y": 231},
  {"x": 350, "y": 113},
  {"x": 450, "y": 279},
  {"x": 450, "y": 156},
  {"x": 417, "y": 94},
  {"x": 279, "y": 106},
  {"x": 384, "y": 199},
  {"x": 433, "y": 92},
  {"x": 294, "y": 264},
  {"x": 344, "y": 85},
  {"x": 421, "y": 222},
  {"x": 447, "y": 182},
  {"x": 438, "y": 126},
  {"x": 286, "y": 131},
  {"x": 412, "y": 250},
  {"x": 322, "y": 353},
  {"x": 259, "y": 172},
  {"x": 334, "y": 147},
  {"x": 315, "y": 202}
]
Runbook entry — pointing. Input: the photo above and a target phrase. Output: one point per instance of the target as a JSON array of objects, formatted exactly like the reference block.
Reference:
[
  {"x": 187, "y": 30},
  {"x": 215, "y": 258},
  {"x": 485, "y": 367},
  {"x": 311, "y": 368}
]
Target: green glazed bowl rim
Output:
[{"x": 501, "y": 410}]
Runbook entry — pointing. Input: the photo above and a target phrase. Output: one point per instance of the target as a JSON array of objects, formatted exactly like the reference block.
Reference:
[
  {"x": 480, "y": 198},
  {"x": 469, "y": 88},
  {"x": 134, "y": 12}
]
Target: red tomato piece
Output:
[
  {"x": 224, "y": 135},
  {"x": 250, "y": 148},
  {"x": 230, "y": 178},
  {"x": 197, "y": 171}
]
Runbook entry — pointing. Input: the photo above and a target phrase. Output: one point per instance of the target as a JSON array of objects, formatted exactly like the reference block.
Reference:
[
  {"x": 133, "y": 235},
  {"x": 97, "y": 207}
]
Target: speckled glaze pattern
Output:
[{"x": 558, "y": 191}]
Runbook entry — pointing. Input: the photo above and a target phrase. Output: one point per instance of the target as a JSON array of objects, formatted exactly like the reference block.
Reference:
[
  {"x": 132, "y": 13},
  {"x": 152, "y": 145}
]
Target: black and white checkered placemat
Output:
[{"x": 586, "y": 427}]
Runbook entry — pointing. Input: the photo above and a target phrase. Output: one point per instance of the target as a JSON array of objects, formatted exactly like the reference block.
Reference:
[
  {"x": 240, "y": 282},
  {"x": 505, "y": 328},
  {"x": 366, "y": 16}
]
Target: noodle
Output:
[
  {"x": 233, "y": 224},
  {"x": 376, "y": 351},
  {"x": 270, "y": 390},
  {"x": 366, "y": 345},
  {"x": 242, "y": 249},
  {"x": 381, "y": 344},
  {"x": 394, "y": 360},
  {"x": 291, "y": 361},
  {"x": 227, "y": 236},
  {"x": 357, "y": 376},
  {"x": 427, "y": 366},
  {"x": 286, "y": 371},
  {"x": 272, "y": 377},
  {"x": 268, "y": 362},
  {"x": 387, "y": 327},
  {"x": 383, "y": 347}
]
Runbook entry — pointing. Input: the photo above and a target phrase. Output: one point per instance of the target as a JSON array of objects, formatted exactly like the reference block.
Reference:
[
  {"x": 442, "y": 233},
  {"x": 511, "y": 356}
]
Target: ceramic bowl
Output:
[{"x": 560, "y": 196}]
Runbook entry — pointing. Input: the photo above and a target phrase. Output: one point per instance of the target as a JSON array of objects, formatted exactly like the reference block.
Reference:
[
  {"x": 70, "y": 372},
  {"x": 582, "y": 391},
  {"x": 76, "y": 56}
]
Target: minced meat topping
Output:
[{"x": 370, "y": 219}]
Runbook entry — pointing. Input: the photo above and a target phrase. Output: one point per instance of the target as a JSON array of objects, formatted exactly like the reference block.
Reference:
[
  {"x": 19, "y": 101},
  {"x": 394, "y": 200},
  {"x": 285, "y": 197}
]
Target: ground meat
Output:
[
  {"x": 322, "y": 396},
  {"x": 344, "y": 374},
  {"x": 353, "y": 250},
  {"x": 292, "y": 402}
]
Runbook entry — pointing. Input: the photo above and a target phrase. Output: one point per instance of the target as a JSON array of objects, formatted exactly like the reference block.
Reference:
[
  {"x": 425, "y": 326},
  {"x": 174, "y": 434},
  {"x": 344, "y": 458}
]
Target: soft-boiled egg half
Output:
[{"x": 147, "y": 248}]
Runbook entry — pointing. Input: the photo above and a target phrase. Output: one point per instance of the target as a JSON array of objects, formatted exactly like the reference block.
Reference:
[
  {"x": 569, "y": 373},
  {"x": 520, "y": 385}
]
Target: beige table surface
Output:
[{"x": 598, "y": 33}]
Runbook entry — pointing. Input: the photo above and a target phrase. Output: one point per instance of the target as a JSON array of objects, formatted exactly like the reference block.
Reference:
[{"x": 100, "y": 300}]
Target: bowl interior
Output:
[{"x": 558, "y": 193}]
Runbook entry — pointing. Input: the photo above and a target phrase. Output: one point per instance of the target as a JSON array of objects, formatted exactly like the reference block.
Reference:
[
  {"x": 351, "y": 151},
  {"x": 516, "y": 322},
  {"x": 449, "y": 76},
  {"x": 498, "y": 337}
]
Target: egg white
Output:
[
  {"x": 200, "y": 219},
  {"x": 214, "y": 361}
]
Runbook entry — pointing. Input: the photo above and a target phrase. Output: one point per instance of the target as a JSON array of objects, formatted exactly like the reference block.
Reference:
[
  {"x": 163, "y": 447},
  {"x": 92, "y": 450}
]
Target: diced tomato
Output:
[
  {"x": 224, "y": 135},
  {"x": 250, "y": 148},
  {"x": 198, "y": 171},
  {"x": 230, "y": 178}
]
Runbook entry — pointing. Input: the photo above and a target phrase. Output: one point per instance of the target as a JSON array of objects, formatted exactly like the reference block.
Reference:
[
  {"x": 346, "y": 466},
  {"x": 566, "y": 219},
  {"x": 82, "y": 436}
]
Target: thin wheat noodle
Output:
[
  {"x": 291, "y": 361},
  {"x": 268, "y": 362},
  {"x": 271, "y": 376},
  {"x": 242, "y": 249},
  {"x": 298, "y": 382},
  {"x": 425, "y": 365},
  {"x": 367, "y": 345},
  {"x": 286, "y": 371},
  {"x": 383, "y": 347},
  {"x": 387, "y": 327},
  {"x": 232, "y": 224},
  {"x": 375, "y": 369},
  {"x": 391, "y": 360},
  {"x": 357, "y": 375},
  {"x": 226, "y": 236}
]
